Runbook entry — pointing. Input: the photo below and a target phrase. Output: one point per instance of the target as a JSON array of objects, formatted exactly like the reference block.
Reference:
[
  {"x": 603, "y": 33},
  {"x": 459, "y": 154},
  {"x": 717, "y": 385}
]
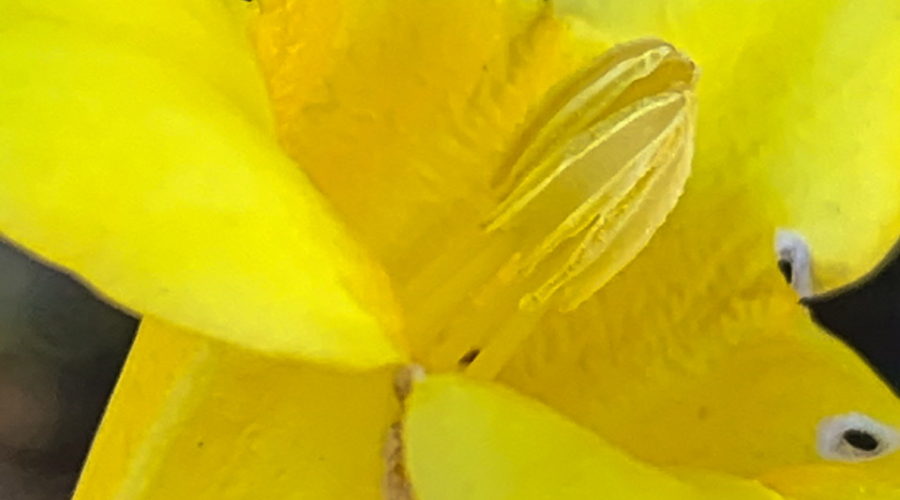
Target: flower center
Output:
[{"x": 593, "y": 174}]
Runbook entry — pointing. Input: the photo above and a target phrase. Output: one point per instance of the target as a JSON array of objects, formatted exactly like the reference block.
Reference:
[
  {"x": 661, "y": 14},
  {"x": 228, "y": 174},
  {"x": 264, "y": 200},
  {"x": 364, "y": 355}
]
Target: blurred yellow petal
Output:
[
  {"x": 193, "y": 417},
  {"x": 134, "y": 157},
  {"x": 466, "y": 441},
  {"x": 499, "y": 163},
  {"x": 698, "y": 354}
]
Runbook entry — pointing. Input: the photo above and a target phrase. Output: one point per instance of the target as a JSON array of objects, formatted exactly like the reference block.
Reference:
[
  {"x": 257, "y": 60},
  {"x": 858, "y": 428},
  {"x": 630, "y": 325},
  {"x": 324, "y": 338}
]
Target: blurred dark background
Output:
[{"x": 61, "y": 350}]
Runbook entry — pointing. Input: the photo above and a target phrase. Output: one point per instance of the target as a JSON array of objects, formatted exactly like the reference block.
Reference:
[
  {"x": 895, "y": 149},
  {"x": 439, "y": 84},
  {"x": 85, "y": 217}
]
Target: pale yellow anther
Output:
[{"x": 594, "y": 173}]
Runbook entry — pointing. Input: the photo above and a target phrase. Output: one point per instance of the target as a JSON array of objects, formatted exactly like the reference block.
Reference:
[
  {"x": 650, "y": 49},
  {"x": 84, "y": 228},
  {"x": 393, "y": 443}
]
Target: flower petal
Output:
[
  {"x": 193, "y": 417},
  {"x": 871, "y": 481},
  {"x": 699, "y": 345},
  {"x": 696, "y": 387},
  {"x": 801, "y": 102},
  {"x": 137, "y": 152},
  {"x": 467, "y": 441}
]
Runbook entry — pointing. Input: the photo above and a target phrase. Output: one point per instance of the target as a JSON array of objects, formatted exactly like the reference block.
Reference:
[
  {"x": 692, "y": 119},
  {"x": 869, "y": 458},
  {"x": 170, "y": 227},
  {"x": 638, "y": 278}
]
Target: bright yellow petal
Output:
[
  {"x": 196, "y": 418},
  {"x": 871, "y": 481},
  {"x": 721, "y": 391},
  {"x": 698, "y": 353},
  {"x": 137, "y": 152},
  {"x": 800, "y": 100},
  {"x": 466, "y": 441},
  {"x": 497, "y": 162}
]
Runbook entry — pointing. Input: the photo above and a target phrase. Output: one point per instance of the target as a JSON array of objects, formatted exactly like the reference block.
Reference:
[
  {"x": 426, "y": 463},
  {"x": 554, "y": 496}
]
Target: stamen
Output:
[{"x": 592, "y": 176}]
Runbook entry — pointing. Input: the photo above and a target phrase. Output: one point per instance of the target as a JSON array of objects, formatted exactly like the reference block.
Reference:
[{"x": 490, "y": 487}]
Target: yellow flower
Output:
[{"x": 139, "y": 153}]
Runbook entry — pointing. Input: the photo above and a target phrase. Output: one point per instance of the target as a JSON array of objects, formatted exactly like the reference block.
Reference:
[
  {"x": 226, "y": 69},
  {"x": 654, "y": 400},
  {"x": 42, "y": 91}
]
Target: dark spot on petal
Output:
[
  {"x": 469, "y": 357},
  {"x": 787, "y": 270},
  {"x": 861, "y": 440},
  {"x": 702, "y": 413}
]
